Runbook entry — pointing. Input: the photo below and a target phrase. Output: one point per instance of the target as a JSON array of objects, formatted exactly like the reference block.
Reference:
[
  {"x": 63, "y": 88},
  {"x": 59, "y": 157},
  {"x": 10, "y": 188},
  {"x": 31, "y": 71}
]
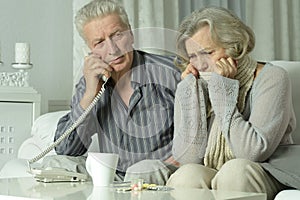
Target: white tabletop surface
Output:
[{"x": 29, "y": 188}]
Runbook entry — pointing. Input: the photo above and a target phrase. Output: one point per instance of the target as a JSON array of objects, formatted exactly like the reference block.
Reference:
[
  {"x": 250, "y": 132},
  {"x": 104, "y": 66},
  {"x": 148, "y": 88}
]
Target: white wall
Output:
[
  {"x": 47, "y": 25},
  {"x": 79, "y": 47}
]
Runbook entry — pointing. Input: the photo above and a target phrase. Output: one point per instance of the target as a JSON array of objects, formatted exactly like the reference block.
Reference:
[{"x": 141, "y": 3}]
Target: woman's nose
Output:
[{"x": 199, "y": 61}]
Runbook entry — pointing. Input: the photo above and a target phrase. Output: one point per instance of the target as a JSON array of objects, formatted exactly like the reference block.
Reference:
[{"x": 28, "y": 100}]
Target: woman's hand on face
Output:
[
  {"x": 226, "y": 67},
  {"x": 189, "y": 69}
]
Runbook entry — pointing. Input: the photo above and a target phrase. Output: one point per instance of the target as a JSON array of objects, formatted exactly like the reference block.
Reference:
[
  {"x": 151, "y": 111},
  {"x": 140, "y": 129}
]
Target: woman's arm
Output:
[
  {"x": 190, "y": 131},
  {"x": 270, "y": 113}
]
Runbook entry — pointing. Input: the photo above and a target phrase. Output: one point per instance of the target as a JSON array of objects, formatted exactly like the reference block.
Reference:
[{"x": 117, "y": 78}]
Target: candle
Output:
[{"x": 22, "y": 53}]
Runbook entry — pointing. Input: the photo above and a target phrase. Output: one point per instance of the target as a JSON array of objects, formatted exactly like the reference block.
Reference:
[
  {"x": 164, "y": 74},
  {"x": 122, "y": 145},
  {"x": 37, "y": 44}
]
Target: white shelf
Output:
[
  {"x": 19, "y": 106},
  {"x": 12, "y": 89}
]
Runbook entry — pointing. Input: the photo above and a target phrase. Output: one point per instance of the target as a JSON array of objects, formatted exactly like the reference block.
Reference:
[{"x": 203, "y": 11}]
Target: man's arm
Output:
[{"x": 79, "y": 140}]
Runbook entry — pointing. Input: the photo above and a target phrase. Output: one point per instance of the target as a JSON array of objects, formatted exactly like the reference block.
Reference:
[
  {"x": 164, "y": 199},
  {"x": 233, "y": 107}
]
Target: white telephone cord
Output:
[{"x": 71, "y": 128}]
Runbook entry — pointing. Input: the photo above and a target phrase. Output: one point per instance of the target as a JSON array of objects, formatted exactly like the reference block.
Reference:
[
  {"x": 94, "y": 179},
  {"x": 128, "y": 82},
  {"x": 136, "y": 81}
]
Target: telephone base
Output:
[{"x": 50, "y": 175}]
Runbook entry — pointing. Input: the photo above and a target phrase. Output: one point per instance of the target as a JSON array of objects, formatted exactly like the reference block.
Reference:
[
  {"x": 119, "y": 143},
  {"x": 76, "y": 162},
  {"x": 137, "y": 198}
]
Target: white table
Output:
[{"x": 28, "y": 188}]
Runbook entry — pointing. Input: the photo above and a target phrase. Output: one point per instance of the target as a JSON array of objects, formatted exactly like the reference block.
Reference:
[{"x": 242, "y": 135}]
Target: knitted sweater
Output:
[{"x": 266, "y": 122}]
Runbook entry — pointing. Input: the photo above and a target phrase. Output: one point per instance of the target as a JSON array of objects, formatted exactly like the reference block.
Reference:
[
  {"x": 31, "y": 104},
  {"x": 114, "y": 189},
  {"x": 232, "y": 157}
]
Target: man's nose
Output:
[{"x": 112, "y": 47}]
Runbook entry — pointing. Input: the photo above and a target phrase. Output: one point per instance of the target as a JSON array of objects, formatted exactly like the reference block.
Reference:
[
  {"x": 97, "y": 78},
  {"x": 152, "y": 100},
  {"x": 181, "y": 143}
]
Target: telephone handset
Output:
[{"x": 60, "y": 174}]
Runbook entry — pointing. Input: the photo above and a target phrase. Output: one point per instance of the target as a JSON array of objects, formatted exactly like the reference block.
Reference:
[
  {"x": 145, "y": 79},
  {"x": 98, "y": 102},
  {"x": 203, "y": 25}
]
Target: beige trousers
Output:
[{"x": 235, "y": 175}]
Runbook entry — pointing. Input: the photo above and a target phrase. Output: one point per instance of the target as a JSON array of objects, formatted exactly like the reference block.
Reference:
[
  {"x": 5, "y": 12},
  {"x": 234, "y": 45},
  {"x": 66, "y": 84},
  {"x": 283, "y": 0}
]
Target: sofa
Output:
[
  {"x": 43, "y": 129},
  {"x": 293, "y": 68}
]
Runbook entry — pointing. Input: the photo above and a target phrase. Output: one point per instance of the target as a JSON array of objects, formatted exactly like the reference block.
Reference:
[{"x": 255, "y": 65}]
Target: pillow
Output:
[
  {"x": 45, "y": 125},
  {"x": 42, "y": 131}
]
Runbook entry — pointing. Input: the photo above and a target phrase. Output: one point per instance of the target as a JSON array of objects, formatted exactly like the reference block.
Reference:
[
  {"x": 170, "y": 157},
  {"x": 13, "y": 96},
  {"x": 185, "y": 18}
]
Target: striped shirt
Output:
[{"x": 143, "y": 130}]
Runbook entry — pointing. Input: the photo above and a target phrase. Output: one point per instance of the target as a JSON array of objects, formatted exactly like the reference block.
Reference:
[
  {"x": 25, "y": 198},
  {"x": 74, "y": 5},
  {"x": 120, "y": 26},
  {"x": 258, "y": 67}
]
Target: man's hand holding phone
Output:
[{"x": 94, "y": 67}]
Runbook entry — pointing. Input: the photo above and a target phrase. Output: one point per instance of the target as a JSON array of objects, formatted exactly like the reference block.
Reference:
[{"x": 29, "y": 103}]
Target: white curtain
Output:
[
  {"x": 276, "y": 24},
  {"x": 169, "y": 13},
  {"x": 152, "y": 13},
  {"x": 155, "y": 22},
  {"x": 187, "y": 6}
]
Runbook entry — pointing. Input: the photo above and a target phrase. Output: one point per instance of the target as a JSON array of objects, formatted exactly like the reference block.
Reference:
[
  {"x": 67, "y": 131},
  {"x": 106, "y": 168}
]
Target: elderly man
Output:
[{"x": 134, "y": 115}]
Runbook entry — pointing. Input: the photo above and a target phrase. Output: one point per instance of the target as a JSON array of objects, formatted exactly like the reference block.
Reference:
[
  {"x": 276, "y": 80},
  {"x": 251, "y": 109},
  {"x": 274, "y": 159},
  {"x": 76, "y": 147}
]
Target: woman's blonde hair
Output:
[
  {"x": 96, "y": 9},
  {"x": 226, "y": 29}
]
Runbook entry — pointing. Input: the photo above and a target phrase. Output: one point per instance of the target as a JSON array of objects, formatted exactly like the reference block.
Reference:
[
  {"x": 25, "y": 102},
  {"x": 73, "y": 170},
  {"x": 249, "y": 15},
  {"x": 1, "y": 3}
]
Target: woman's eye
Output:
[
  {"x": 208, "y": 52},
  {"x": 205, "y": 52}
]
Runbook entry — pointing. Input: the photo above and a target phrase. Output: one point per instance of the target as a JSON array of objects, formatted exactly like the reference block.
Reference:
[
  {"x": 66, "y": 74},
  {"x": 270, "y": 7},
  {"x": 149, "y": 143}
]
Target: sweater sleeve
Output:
[
  {"x": 190, "y": 130},
  {"x": 270, "y": 118}
]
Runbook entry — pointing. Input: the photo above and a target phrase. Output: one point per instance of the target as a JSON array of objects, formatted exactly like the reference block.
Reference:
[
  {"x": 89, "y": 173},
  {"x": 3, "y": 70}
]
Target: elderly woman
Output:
[{"x": 231, "y": 112}]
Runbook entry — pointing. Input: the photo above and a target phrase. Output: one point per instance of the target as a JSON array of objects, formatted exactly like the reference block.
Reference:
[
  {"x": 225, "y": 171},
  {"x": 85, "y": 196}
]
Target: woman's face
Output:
[{"x": 202, "y": 52}]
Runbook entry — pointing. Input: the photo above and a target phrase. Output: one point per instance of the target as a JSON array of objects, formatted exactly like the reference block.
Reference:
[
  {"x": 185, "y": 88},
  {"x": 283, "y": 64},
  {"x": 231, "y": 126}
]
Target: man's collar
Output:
[{"x": 137, "y": 69}]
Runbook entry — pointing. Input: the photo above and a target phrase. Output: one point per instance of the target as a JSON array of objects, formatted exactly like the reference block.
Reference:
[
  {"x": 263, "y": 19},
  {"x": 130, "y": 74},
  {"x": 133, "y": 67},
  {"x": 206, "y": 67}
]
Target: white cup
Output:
[{"x": 102, "y": 167}]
